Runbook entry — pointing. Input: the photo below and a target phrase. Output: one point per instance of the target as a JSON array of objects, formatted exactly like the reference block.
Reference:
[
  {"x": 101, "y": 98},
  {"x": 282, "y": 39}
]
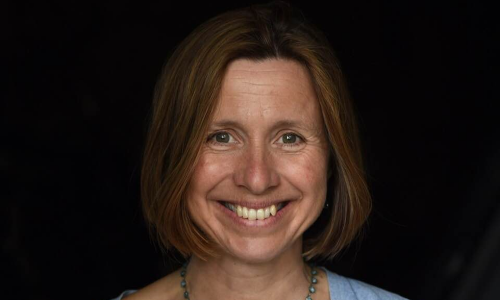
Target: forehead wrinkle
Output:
[
  {"x": 295, "y": 80},
  {"x": 275, "y": 82},
  {"x": 265, "y": 71},
  {"x": 277, "y": 78},
  {"x": 258, "y": 84},
  {"x": 248, "y": 93},
  {"x": 302, "y": 103},
  {"x": 236, "y": 88},
  {"x": 299, "y": 121},
  {"x": 266, "y": 85}
]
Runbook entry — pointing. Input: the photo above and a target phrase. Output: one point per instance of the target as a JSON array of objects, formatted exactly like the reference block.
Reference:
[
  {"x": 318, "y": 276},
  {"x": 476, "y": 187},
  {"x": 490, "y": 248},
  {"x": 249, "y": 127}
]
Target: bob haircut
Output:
[{"x": 185, "y": 99}]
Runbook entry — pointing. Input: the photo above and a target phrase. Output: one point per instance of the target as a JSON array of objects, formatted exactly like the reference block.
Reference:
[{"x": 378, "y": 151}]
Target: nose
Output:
[{"x": 256, "y": 171}]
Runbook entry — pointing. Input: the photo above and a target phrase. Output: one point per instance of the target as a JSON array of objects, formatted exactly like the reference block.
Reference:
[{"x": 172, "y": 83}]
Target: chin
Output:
[{"x": 256, "y": 252}]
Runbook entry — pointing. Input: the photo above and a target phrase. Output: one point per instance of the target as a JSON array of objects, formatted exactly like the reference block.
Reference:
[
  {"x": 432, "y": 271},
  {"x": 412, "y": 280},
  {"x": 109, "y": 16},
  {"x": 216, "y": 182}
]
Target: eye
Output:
[
  {"x": 223, "y": 138},
  {"x": 291, "y": 139},
  {"x": 220, "y": 138}
]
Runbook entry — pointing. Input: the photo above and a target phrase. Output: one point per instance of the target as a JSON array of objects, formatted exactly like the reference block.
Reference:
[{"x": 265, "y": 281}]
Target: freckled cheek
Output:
[
  {"x": 209, "y": 172},
  {"x": 310, "y": 169},
  {"x": 310, "y": 176},
  {"x": 211, "y": 169}
]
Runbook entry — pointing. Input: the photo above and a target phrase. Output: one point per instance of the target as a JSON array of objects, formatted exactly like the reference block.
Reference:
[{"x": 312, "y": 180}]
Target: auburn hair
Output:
[{"x": 185, "y": 99}]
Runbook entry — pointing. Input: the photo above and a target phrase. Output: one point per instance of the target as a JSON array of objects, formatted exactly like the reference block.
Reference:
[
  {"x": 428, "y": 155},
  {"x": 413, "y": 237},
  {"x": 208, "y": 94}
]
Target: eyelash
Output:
[{"x": 301, "y": 140}]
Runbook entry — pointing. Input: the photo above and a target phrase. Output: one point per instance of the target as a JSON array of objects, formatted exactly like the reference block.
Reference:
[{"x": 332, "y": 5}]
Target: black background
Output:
[{"x": 80, "y": 77}]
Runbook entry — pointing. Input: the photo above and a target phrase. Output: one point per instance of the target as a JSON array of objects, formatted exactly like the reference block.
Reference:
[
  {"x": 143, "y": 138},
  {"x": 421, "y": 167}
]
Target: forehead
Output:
[
  {"x": 268, "y": 90},
  {"x": 271, "y": 75}
]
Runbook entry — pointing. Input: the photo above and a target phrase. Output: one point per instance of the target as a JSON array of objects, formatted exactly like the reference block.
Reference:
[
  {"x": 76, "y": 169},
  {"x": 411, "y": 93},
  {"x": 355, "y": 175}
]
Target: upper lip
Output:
[{"x": 254, "y": 204}]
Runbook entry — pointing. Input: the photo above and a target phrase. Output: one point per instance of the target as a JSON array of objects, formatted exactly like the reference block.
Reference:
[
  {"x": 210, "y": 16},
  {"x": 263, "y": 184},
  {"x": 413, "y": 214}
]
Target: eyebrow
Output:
[{"x": 281, "y": 123}]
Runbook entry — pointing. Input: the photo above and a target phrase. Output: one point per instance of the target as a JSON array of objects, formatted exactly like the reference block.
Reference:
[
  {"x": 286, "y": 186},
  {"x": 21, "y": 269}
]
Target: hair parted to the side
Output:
[{"x": 185, "y": 99}]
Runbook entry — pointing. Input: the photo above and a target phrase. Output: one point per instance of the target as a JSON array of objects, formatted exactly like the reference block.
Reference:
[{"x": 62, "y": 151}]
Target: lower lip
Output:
[{"x": 269, "y": 222}]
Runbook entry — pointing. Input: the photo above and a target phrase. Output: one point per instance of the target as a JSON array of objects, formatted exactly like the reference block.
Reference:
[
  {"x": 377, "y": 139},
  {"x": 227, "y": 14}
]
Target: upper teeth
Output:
[{"x": 254, "y": 214}]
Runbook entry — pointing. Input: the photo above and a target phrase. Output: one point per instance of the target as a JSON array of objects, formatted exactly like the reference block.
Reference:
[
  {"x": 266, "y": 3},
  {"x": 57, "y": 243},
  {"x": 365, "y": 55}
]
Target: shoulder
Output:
[
  {"x": 162, "y": 289},
  {"x": 351, "y": 289}
]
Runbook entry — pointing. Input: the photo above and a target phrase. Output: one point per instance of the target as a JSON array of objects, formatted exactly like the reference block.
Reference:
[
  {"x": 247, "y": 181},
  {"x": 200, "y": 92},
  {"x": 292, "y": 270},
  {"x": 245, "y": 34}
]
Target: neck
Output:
[{"x": 283, "y": 277}]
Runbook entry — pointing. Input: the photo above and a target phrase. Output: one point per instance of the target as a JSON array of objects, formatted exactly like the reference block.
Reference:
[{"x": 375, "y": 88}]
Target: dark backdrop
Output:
[{"x": 78, "y": 90}]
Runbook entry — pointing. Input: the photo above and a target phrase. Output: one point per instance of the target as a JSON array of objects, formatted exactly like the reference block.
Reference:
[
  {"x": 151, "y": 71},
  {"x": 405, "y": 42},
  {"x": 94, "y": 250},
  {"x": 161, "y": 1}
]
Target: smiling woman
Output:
[
  {"x": 275, "y": 153},
  {"x": 252, "y": 166}
]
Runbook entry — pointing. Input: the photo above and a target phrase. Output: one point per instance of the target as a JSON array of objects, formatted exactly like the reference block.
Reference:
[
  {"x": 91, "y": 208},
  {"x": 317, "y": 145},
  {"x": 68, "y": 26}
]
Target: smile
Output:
[{"x": 255, "y": 214}]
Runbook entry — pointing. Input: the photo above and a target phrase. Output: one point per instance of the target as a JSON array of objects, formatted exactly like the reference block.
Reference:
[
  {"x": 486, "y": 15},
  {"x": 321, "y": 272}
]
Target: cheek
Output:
[
  {"x": 208, "y": 172},
  {"x": 310, "y": 176},
  {"x": 306, "y": 171},
  {"x": 309, "y": 170}
]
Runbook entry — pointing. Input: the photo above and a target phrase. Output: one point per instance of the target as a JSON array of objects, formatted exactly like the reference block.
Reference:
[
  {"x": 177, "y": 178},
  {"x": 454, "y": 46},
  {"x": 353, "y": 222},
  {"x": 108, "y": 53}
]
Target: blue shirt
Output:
[{"x": 341, "y": 288}]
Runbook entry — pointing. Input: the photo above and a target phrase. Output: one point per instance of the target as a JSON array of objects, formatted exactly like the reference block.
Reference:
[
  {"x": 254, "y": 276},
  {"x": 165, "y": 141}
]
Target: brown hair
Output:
[{"x": 184, "y": 102}]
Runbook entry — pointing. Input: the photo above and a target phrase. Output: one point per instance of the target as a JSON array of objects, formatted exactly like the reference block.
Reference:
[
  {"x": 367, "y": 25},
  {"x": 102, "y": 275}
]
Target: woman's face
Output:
[{"x": 265, "y": 146}]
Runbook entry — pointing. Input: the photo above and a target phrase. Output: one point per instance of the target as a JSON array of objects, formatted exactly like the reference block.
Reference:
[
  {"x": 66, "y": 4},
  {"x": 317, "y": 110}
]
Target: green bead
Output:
[
  {"x": 312, "y": 289},
  {"x": 314, "y": 272},
  {"x": 183, "y": 273},
  {"x": 183, "y": 283},
  {"x": 186, "y": 295},
  {"x": 308, "y": 298}
]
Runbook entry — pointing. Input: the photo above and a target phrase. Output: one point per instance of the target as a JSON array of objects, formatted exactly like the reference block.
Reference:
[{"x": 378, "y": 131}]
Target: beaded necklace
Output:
[{"x": 311, "y": 291}]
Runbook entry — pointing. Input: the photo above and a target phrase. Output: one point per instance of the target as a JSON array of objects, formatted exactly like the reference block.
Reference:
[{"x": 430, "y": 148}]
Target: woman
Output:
[{"x": 252, "y": 165}]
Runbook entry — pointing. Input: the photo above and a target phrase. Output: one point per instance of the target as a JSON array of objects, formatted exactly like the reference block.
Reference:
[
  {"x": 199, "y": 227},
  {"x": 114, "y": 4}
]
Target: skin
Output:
[{"x": 257, "y": 163}]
